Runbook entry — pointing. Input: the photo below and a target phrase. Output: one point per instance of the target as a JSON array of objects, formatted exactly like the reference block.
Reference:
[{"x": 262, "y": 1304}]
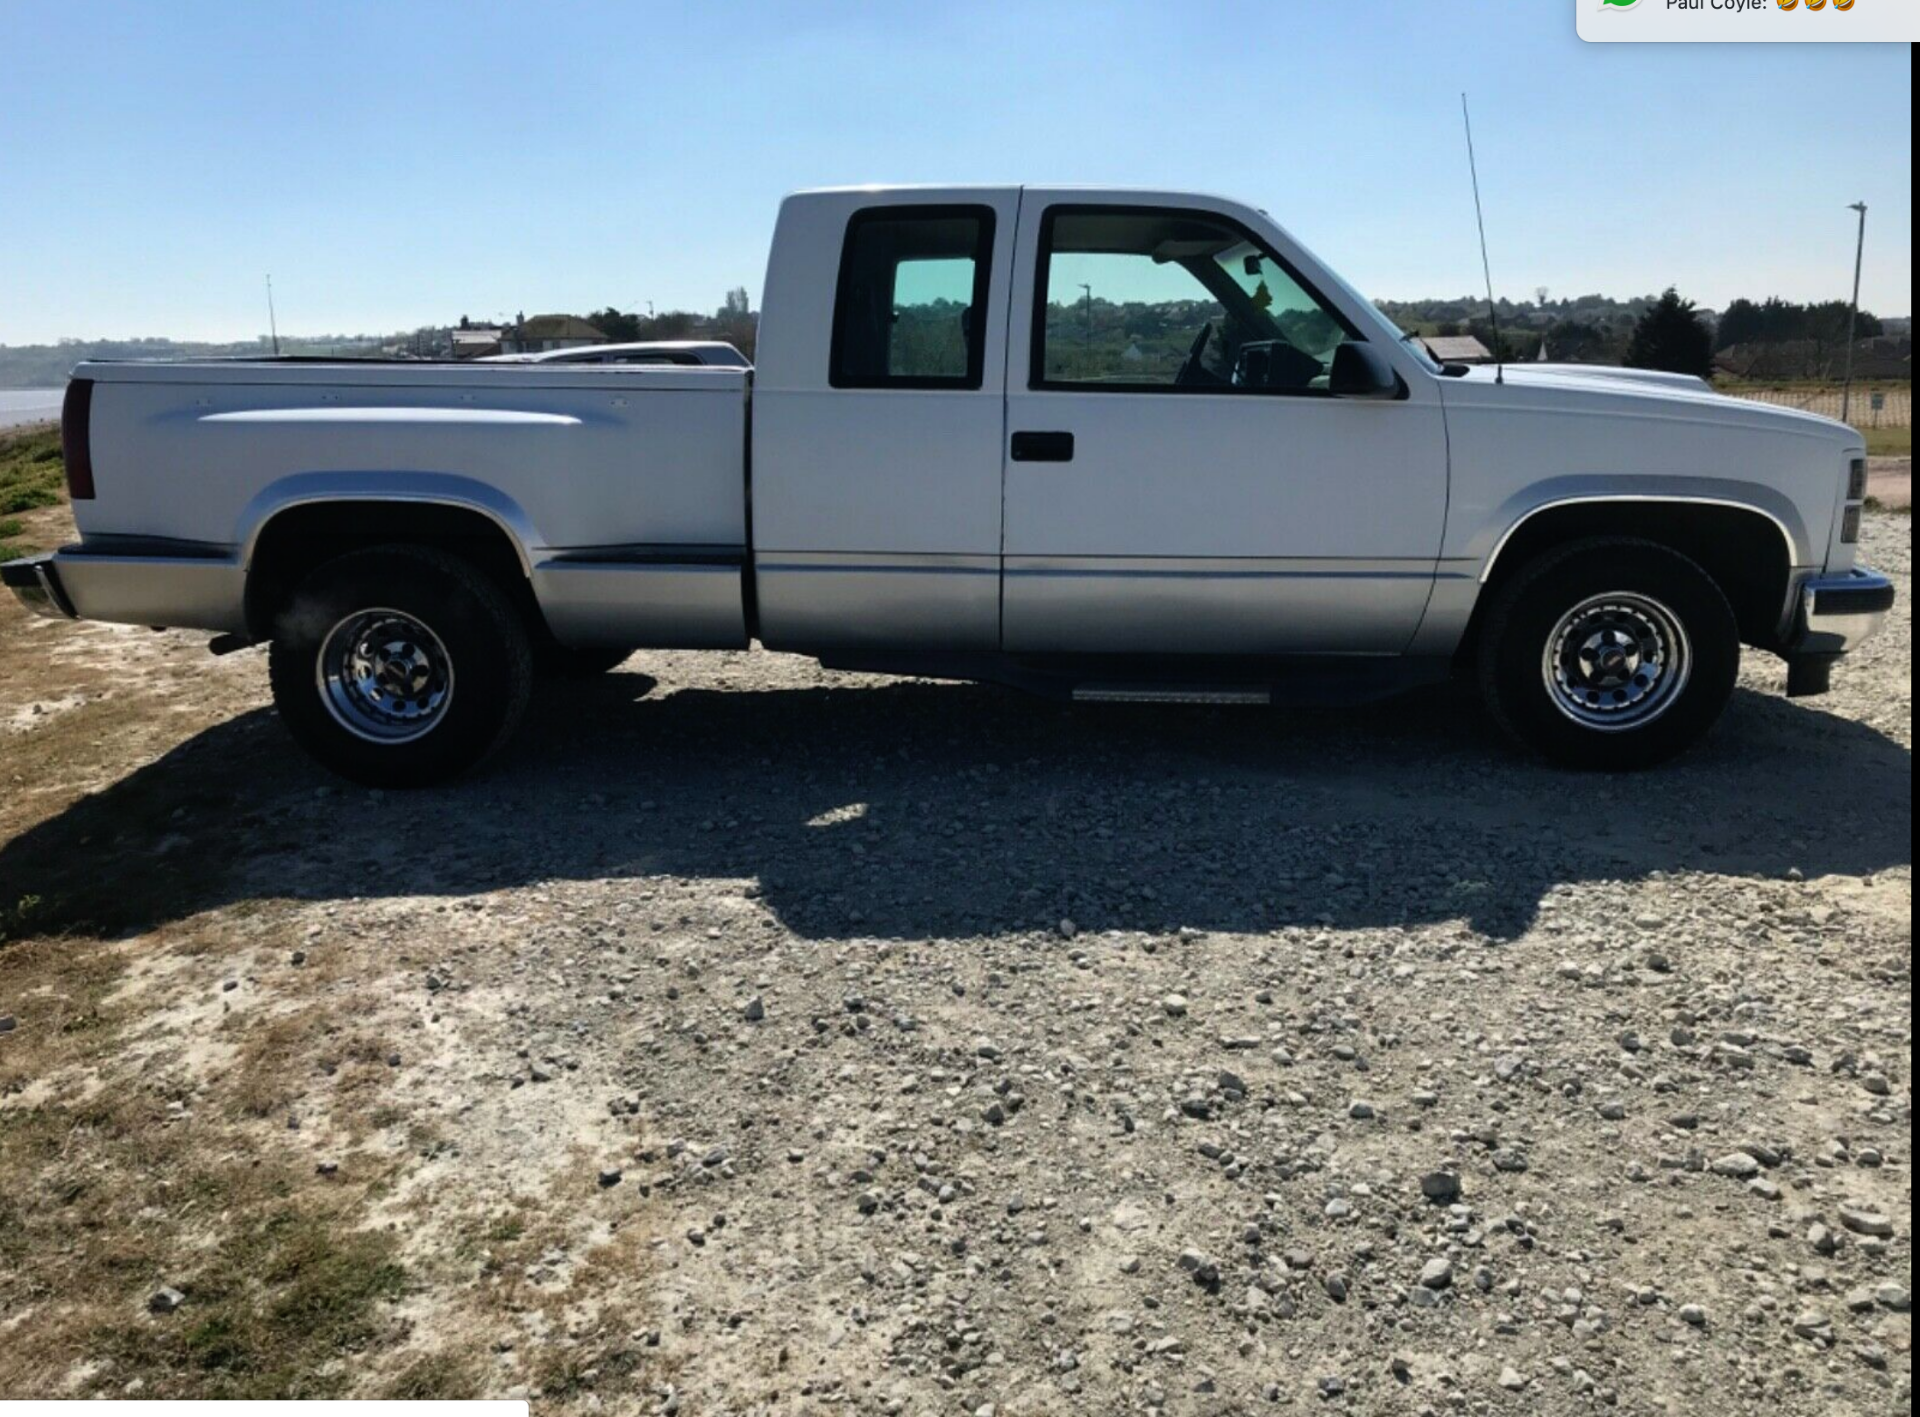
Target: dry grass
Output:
[
  {"x": 104, "y": 1201},
  {"x": 109, "y": 1192},
  {"x": 279, "y": 1059}
]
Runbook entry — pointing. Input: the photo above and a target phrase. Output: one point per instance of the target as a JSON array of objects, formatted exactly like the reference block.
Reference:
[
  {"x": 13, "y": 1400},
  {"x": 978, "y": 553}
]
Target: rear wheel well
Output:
[
  {"x": 1745, "y": 552},
  {"x": 294, "y": 542}
]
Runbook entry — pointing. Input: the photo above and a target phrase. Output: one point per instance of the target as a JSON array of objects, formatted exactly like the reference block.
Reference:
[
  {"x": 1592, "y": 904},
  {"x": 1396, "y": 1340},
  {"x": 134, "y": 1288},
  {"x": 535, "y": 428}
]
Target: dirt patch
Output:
[{"x": 1890, "y": 483}]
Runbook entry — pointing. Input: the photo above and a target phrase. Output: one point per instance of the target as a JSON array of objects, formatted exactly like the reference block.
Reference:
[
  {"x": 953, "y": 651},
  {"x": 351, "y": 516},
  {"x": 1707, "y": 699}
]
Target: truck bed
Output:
[
  {"x": 621, "y": 488},
  {"x": 587, "y": 456}
]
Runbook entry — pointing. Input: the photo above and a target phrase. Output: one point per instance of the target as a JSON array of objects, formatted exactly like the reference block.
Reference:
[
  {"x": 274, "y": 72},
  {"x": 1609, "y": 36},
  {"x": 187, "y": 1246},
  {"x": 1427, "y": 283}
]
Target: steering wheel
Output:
[{"x": 1190, "y": 370}]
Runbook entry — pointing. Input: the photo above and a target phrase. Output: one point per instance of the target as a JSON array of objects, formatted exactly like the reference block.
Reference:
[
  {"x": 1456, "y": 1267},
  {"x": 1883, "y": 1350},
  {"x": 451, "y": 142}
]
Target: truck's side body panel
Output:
[
  {"x": 876, "y": 511},
  {"x": 1537, "y": 439},
  {"x": 1225, "y": 521}
]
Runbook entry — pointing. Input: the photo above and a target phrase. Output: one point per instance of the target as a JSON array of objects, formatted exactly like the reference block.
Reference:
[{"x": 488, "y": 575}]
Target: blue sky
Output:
[{"x": 398, "y": 163}]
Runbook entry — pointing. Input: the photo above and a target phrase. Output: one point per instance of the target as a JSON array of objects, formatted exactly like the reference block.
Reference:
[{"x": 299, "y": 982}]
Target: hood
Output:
[
  {"x": 1631, "y": 376},
  {"x": 1629, "y": 393}
]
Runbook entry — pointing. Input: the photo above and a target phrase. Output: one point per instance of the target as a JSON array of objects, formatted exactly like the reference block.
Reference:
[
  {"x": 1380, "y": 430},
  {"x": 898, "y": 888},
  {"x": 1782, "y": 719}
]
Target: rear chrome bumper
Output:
[
  {"x": 36, "y": 585},
  {"x": 1840, "y": 613},
  {"x": 184, "y": 592}
]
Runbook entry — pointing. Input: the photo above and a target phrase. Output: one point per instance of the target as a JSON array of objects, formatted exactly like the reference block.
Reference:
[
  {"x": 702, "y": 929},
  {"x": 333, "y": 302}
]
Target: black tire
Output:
[
  {"x": 1536, "y": 694},
  {"x": 477, "y": 700},
  {"x": 553, "y": 660}
]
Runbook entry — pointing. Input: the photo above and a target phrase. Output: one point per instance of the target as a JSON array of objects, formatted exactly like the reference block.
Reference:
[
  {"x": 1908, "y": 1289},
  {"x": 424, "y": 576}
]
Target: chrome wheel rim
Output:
[
  {"x": 385, "y": 676},
  {"x": 1617, "y": 661}
]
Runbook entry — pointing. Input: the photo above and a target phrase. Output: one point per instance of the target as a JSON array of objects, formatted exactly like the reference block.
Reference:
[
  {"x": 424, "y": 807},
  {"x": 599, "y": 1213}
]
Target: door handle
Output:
[{"x": 1043, "y": 447}]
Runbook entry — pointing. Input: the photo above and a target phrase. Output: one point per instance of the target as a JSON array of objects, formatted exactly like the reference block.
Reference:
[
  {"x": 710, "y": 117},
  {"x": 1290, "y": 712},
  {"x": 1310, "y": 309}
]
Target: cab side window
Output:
[
  {"x": 1144, "y": 299},
  {"x": 910, "y": 309}
]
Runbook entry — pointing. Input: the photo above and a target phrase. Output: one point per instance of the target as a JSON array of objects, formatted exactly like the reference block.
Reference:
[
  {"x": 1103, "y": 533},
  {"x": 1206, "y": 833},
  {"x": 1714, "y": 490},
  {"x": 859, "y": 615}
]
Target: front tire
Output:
[
  {"x": 400, "y": 666},
  {"x": 1609, "y": 654}
]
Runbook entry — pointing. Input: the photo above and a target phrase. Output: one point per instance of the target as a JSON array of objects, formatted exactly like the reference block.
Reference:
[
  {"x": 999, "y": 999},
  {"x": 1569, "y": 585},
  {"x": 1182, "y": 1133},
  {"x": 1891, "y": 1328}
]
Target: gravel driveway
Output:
[{"x": 759, "y": 1040}]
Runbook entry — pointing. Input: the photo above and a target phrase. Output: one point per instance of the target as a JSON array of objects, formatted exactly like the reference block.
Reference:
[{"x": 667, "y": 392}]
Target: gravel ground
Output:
[{"x": 759, "y": 1040}]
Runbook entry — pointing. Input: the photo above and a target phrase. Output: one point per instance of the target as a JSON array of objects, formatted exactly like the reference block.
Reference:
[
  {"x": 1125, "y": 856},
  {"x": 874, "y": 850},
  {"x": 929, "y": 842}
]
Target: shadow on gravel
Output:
[{"x": 921, "y": 810}]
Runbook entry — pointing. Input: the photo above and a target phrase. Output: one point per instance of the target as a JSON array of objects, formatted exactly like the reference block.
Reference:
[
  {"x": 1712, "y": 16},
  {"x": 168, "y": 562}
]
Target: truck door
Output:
[
  {"x": 1179, "y": 479},
  {"x": 877, "y": 452}
]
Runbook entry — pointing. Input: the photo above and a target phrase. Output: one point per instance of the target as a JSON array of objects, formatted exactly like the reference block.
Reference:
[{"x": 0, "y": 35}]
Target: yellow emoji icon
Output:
[
  {"x": 1788, "y": 4},
  {"x": 1816, "y": 4},
  {"x": 1843, "y": 4}
]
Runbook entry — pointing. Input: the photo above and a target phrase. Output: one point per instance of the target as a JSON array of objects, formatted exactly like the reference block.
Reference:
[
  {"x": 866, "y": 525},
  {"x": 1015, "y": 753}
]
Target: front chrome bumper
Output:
[
  {"x": 1835, "y": 615},
  {"x": 1840, "y": 613}
]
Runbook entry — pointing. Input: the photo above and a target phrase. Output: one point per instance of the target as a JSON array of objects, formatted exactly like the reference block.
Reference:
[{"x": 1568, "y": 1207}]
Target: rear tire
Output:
[
  {"x": 400, "y": 666},
  {"x": 1609, "y": 654}
]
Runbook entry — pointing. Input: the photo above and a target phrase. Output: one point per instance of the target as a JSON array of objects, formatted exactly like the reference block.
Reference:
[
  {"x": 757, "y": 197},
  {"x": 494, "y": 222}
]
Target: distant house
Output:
[
  {"x": 1455, "y": 349},
  {"x": 475, "y": 341},
  {"x": 545, "y": 332}
]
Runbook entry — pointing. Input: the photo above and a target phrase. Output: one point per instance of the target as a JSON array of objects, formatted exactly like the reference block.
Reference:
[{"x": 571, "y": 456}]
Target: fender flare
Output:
[
  {"x": 1749, "y": 497},
  {"x": 429, "y": 488}
]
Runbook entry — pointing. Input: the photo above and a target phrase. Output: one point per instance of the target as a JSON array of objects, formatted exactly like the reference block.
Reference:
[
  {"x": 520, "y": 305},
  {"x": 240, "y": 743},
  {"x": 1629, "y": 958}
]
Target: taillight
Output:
[
  {"x": 1857, "y": 480},
  {"x": 76, "y": 430}
]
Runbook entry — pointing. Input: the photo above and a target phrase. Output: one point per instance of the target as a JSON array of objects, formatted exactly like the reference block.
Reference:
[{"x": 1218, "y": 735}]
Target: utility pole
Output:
[
  {"x": 272, "y": 323},
  {"x": 1089, "y": 290},
  {"x": 1853, "y": 311}
]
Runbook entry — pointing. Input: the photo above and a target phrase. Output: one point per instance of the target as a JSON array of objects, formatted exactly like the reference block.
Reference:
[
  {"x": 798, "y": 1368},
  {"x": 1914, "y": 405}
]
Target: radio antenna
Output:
[
  {"x": 1486, "y": 269},
  {"x": 273, "y": 324}
]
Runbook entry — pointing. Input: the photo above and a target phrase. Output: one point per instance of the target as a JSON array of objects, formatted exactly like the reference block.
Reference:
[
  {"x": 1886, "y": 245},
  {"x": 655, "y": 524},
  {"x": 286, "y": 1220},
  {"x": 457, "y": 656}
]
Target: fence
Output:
[{"x": 1871, "y": 408}]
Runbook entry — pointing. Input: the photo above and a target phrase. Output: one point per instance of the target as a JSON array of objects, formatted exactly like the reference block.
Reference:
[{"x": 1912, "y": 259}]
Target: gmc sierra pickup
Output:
[{"x": 1104, "y": 444}]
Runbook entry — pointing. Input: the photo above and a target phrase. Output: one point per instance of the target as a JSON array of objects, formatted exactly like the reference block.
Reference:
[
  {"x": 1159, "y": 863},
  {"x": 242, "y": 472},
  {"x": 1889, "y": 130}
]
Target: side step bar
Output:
[{"x": 1171, "y": 694}]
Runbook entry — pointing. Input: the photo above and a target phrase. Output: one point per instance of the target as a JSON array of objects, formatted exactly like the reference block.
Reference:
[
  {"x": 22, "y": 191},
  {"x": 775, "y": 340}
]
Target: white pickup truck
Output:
[{"x": 1103, "y": 444}]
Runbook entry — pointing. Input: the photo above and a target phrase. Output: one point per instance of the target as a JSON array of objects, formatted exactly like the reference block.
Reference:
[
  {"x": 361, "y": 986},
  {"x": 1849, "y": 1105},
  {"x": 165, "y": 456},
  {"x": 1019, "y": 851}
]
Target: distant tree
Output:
[
  {"x": 668, "y": 325},
  {"x": 1740, "y": 323},
  {"x": 1579, "y": 342},
  {"x": 617, "y": 327},
  {"x": 736, "y": 322},
  {"x": 1818, "y": 329},
  {"x": 1672, "y": 336},
  {"x": 1512, "y": 347}
]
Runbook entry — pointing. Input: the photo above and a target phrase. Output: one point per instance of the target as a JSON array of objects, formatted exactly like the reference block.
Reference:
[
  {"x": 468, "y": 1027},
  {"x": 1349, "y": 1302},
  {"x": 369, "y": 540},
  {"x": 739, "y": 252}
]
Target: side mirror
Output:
[{"x": 1361, "y": 372}]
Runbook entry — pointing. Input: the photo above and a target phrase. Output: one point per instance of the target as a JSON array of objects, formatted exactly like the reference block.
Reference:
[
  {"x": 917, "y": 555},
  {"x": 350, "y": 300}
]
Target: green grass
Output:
[
  {"x": 31, "y": 474},
  {"x": 1889, "y": 442}
]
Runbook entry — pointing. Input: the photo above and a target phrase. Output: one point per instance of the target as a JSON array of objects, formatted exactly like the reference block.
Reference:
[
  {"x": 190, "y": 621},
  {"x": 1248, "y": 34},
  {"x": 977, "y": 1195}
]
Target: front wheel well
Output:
[
  {"x": 1746, "y": 552},
  {"x": 296, "y": 541}
]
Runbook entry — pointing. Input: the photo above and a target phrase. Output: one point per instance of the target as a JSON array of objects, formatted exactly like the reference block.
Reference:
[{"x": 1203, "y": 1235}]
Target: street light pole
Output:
[{"x": 1853, "y": 311}]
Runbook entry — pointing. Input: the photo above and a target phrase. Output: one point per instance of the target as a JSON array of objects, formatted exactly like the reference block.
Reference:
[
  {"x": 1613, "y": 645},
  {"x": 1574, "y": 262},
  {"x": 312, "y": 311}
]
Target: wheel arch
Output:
[
  {"x": 1750, "y": 551},
  {"x": 301, "y": 531}
]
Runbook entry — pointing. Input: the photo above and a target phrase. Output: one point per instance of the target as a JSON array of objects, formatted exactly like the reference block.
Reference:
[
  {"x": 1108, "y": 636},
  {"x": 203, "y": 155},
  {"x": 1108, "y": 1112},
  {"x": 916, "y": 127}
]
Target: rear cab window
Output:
[{"x": 909, "y": 310}]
